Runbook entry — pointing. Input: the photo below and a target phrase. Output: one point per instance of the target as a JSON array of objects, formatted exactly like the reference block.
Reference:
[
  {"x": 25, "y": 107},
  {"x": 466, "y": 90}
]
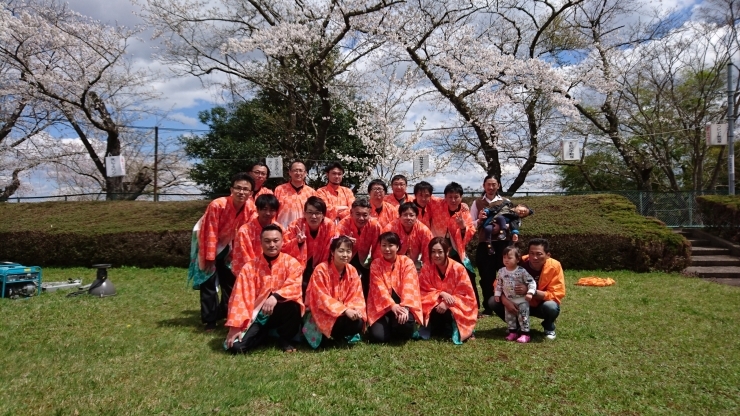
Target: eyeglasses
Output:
[
  {"x": 313, "y": 213},
  {"x": 259, "y": 173},
  {"x": 377, "y": 190},
  {"x": 241, "y": 189}
]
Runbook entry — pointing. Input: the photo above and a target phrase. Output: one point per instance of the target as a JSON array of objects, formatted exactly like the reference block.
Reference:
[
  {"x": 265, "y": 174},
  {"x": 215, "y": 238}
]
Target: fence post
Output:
[
  {"x": 691, "y": 208},
  {"x": 642, "y": 212},
  {"x": 156, "y": 156}
]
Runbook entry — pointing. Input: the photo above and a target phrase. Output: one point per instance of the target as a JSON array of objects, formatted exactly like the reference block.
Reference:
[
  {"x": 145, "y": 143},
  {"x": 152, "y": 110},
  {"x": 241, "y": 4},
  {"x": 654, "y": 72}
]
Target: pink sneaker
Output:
[
  {"x": 512, "y": 336},
  {"x": 524, "y": 338}
]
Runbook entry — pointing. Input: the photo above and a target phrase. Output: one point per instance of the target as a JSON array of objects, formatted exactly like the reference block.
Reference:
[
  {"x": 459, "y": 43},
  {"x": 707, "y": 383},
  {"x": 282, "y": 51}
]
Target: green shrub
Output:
[
  {"x": 721, "y": 215},
  {"x": 601, "y": 231},
  {"x": 124, "y": 233}
]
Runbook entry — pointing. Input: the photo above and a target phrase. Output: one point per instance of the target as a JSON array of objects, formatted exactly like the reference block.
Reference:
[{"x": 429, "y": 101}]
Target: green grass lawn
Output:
[{"x": 653, "y": 343}]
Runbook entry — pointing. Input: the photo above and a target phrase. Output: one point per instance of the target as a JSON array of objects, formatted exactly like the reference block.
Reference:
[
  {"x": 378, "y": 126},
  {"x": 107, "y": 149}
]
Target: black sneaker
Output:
[{"x": 210, "y": 326}]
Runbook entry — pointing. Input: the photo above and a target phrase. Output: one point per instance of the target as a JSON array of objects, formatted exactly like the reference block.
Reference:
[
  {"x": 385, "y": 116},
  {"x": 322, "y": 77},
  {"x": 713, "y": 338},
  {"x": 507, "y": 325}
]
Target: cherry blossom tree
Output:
[
  {"x": 488, "y": 62},
  {"x": 299, "y": 51},
  {"x": 78, "y": 67}
]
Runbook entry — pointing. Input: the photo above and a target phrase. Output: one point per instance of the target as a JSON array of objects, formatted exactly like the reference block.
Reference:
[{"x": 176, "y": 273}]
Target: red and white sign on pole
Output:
[{"x": 716, "y": 134}]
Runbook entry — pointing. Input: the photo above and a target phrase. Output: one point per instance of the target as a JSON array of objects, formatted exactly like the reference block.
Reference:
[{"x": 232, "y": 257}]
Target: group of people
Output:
[{"x": 316, "y": 264}]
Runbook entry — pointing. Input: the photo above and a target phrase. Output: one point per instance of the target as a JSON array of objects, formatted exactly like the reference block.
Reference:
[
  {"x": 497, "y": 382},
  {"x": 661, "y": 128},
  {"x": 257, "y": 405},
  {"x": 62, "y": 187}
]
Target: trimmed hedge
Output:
[
  {"x": 585, "y": 232},
  {"x": 721, "y": 215},
  {"x": 130, "y": 233},
  {"x": 602, "y": 231}
]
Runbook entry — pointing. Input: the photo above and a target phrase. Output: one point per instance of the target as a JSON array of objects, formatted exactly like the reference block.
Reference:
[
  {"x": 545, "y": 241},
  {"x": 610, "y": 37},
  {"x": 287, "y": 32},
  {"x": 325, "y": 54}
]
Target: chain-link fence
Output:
[{"x": 675, "y": 209}]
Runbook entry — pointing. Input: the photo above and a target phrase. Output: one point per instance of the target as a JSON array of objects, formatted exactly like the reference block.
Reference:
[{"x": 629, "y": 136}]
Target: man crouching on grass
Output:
[
  {"x": 267, "y": 295},
  {"x": 548, "y": 274}
]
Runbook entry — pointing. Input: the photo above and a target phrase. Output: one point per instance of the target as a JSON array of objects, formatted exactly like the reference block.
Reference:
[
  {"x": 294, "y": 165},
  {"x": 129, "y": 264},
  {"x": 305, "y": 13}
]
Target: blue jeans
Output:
[{"x": 548, "y": 311}]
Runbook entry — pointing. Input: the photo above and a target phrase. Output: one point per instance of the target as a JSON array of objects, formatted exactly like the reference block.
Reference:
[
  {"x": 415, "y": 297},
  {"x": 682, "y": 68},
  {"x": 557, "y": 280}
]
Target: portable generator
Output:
[{"x": 19, "y": 281}]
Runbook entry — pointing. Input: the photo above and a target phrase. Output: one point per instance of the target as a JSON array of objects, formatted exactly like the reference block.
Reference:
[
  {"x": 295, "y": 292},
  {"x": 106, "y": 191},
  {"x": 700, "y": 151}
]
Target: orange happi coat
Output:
[
  {"x": 387, "y": 214},
  {"x": 218, "y": 227},
  {"x": 413, "y": 243},
  {"x": 385, "y": 277},
  {"x": 313, "y": 248},
  {"x": 425, "y": 214},
  {"x": 457, "y": 283},
  {"x": 336, "y": 196},
  {"x": 365, "y": 240},
  {"x": 256, "y": 281},
  {"x": 393, "y": 201},
  {"x": 247, "y": 244},
  {"x": 328, "y": 295},
  {"x": 291, "y": 202},
  {"x": 453, "y": 232},
  {"x": 263, "y": 191}
]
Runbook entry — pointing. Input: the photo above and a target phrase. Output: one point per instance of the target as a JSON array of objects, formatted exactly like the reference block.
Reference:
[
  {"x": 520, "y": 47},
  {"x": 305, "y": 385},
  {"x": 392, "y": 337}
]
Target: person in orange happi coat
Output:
[
  {"x": 447, "y": 298},
  {"x": 394, "y": 303},
  {"x": 266, "y": 296},
  {"x": 548, "y": 273},
  {"x": 424, "y": 200},
  {"x": 307, "y": 239},
  {"x": 337, "y": 197},
  {"x": 334, "y": 295},
  {"x": 414, "y": 235},
  {"x": 293, "y": 195},
  {"x": 260, "y": 172},
  {"x": 364, "y": 232},
  {"x": 380, "y": 210},
  {"x": 247, "y": 244},
  {"x": 398, "y": 194},
  {"x": 217, "y": 229}
]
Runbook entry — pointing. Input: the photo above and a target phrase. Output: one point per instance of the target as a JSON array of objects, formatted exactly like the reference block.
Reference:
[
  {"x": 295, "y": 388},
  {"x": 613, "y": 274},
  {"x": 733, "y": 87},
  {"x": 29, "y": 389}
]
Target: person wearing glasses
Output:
[
  {"x": 215, "y": 232},
  {"x": 398, "y": 194},
  {"x": 293, "y": 195},
  {"x": 338, "y": 198},
  {"x": 260, "y": 172},
  {"x": 382, "y": 211},
  {"x": 307, "y": 239}
]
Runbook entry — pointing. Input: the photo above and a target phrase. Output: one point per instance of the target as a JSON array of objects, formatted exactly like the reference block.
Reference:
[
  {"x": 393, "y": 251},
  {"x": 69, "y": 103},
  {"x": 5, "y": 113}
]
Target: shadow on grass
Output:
[{"x": 190, "y": 319}]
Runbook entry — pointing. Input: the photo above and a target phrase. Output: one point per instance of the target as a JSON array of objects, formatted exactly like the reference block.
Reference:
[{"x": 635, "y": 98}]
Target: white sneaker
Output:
[{"x": 550, "y": 334}]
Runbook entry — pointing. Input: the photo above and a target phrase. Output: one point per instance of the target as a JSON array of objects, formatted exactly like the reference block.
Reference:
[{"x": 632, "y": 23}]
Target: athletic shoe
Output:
[
  {"x": 512, "y": 336},
  {"x": 210, "y": 327},
  {"x": 550, "y": 334},
  {"x": 523, "y": 339}
]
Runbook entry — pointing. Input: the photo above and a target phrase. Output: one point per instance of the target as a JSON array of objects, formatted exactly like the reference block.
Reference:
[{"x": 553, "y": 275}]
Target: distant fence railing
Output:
[{"x": 675, "y": 209}]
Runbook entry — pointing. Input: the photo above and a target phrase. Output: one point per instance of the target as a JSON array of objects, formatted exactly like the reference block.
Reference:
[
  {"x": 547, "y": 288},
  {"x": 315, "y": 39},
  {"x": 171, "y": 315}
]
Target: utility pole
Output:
[
  {"x": 156, "y": 160},
  {"x": 730, "y": 131}
]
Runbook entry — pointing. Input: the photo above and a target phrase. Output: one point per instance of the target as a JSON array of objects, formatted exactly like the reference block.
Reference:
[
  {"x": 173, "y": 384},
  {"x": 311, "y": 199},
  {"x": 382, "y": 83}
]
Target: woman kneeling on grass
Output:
[
  {"x": 335, "y": 298},
  {"x": 447, "y": 297},
  {"x": 393, "y": 302}
]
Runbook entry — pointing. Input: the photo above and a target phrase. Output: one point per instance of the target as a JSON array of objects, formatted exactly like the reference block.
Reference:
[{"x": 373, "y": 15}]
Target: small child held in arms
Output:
[
  {"x": 506, "y": 280},
  {"x": 506, "y": 217}
]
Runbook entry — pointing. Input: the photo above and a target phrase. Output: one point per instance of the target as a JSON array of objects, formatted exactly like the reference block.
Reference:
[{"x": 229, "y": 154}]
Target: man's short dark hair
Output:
[
  {"x": 399, "y": 177},
  {"x": 334, "y": 165},
  {"x": 423, "y": 186},
  {"x": 540, "y": 242},
  {"x": 454, "y": 188},
  {"x": 316, "y": 202},
  {"x": 361, "y": 203},
  {"x": 242, "y": 176},
  {"x": 261, "y": 164},
  {"x": 272, "y": 227},
  {"x": 267, "y": 201},
  {"x": 408, "y": 206},
  {"x": 374, "y": 182},
  {"x": 297, "y": 161}
]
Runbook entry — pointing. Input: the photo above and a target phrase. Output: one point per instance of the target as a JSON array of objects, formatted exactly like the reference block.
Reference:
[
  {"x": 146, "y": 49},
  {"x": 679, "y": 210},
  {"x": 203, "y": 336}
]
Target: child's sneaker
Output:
[
  {"x": 524, "y": 338},
  {"x": 512, "y": 336},
  {"x": 502, "y": 236}
]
